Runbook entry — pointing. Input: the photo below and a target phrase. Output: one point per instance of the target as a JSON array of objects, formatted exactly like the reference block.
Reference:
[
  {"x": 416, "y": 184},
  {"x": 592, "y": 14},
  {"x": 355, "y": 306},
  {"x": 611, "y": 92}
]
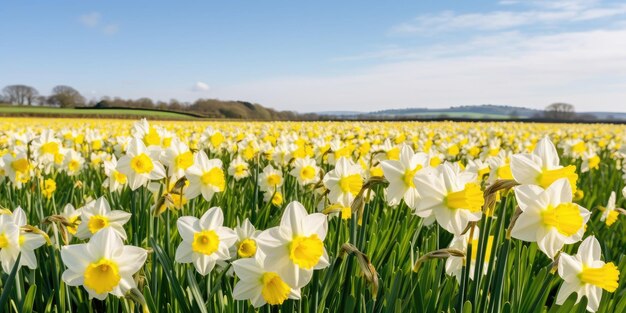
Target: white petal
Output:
[{"x": 212, "y": 219}]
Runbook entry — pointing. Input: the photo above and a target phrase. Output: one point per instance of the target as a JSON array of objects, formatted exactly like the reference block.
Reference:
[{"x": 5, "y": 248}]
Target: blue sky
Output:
[{"x": 324, "y": 55}]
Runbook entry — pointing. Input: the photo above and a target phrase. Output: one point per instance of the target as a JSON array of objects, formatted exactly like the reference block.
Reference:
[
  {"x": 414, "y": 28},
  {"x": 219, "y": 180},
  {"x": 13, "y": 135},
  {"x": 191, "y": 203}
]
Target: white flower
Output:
[
  {"x": 18, "y": 168},
  {"x": 102, "y": 266},
  {"x": 586, "y": 274},
  {"x": 13, "y": 241},
  {"x": 205, "y": 177},
  {"x": 73, "y": 162},
  {"x": 549, "y": 217},
  {"x": 344, "y": 182},
  {"x": 305, "y": 170},
  {"x": 178, "y": 158},
  {"x": 115, "y": 180},
  {"x": 453, "y": 198},
  {"x": 245, "y": 246},
  {"x": 400, "y": 175},
  {"x": 542, "y": 167},
  {"x": 610, "y": 214},
  {"x": 454, "y": 265},
  {"x": 260, "y": 283},
  {"x": 205, "y": 240},
  {"x": 72, "y": 216},
  {"x": 296, "y": 247},
  {"x": 270, "y": 180},
  {"x": 97, "y": 215},
  {"x": 140, "y": 165},
  {"x": 238, "y": 168}
]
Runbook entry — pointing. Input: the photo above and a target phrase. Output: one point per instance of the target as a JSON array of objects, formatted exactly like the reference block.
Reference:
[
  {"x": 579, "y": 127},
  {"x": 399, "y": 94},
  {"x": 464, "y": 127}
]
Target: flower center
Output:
[
  {"x": 409, "y": 174},
  {"x": 275, "y": 291},
  {"x": 4, "y": 241},
  {"x": 20, "y": 165},
  {"x": 307, "y": 172},
  {"x": 306, "y": 251},
  {"x": 247, "y": 248},
  {"x": 470, "y": 198},
  {"x": 594, "y": 162},
  {"x": 565, "y": 218},
  {"x": 141, "y": 164},
  {"x": 504, "y": 172},
  {"x": 393, "y": 154},
  {"x": 273, "y": 179},
  {"x": 75, "y": 221},
  {"x": 73, "y": 165},
  {"x": 605, "y": 277},
  {"x": 240, "y": 169},
  {"x": 184, "y": 160},
  {"x": 102, "y": 276},
  {"x": 50, "y": 147},
  {"x": 214, "y": 177},
  {"x": 152, "y": 138},
  {"x": 611, "y": 218},
  {"x": 205, "y": 242},
  {"x": 119, "y": 177},
  {"x": 547, "y": 177},
  {"x": 351, "y": 184},
  {"x": 217, "y": 139},
  {"x": 97, "y": 222}
]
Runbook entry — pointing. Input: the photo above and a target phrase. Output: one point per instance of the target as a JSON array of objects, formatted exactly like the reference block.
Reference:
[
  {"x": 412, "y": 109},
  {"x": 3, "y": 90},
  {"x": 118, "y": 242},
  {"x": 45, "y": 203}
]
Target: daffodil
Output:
[
  {"x": 238, "y": 168},
  {"x": 178, "y": 159},
  {"x": 549, "y": 217},
  {"x": 115, "y": 180},
  {"x": 205, "y": 177},
  {"x": 97, "y": 215},
  {"x": 296, "y": 247},
  {"x": 103, "y": 266},
  {"x": 73, "y": 162},
  {"x": 270, "y": 179},
  {"x": 245, "y": 246},
  {"x": 542, "y": 167},
  {"x": 205, "y": 240},
  {"x": 455, "y": 199},
  {"x": 305, "y": 170},
  {"x": 344, "y": 182},
  {"x": 14, "y": 241},
  {"x": 586, "y": 274},
  {"x": 454, "y": 265},
  {"x": 260, "y": 282},
  {"x": 610, "y": 214},
  {"x": 140, "y": 165},
  {"x": 400, "y": 175}
]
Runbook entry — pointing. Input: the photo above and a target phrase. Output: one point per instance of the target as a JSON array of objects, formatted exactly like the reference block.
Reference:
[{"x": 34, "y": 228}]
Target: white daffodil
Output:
[
  {"x": 455, "y": 199},
  {"x": 14, "y": 241},
  {"x": 542, "y": 167},
  {"x": 344, "y": 182},
  {"x": 245, "y": 246},
  {"x": 46, "y": 147},
  {"x": 18, "y": 168},
  {"x": 115, "y": 180},
  {"x": 586, "y": 274},
  {"x": 140, "y": 165},
  {"x": 296, "y": 247},
  {"x": 73, "y": 162},
  {"x": 97, "y": 215},
  {"x": 270, "y": 179},
  {"x": 260, "y": 282},
  {"x": 178, "y": 159},
  {"x": 305, "y": 170},
  {"x": 454, "y": 265},
  {"x": 238, "y": 168},
  {"x": 610, "y": 214},
  {"x": 205, "y": 240},
  {"x": 205, "y": 177},
  {"x": 400, "y": 175},
  {"x": 549, "y": 217},
  {"x": 102, "y": 266},
  {"x": 72, "y": 216}
]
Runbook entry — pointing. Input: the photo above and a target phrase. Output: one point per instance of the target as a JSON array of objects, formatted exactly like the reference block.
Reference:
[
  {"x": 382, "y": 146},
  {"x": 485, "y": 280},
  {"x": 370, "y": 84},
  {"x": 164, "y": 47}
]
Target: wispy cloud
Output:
[
  {"x": 94, "y": 20},
  {"x": 111, "y": 29},
  {"x": 537, "y": 13},
  {"x": 90, "y": 19}
]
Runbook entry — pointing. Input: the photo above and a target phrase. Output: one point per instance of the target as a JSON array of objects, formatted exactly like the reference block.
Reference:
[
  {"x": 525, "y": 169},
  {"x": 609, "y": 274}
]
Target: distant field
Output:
[
  {"x": 435, "y": 114},
  {"x": 8, "y": 110}
]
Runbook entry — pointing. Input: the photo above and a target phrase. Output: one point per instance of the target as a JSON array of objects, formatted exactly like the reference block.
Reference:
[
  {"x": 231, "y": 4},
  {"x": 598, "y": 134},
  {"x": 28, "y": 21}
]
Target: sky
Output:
[{"x": 312, "y": 56}]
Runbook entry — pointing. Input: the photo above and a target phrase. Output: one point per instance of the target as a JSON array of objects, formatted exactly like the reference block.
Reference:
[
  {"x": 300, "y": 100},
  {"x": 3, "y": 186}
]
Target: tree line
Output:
[{"x": 68, "y": 97}]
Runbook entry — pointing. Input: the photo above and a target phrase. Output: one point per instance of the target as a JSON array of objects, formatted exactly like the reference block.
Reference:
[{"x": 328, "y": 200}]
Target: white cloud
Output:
[
  {"x": 587, "y": 69},
  {"x": 200, "y": 87},
  {"x": 542, "y": 13},
  {"x": 111, "y": 29},
  {"x": 91, "y": 19}
]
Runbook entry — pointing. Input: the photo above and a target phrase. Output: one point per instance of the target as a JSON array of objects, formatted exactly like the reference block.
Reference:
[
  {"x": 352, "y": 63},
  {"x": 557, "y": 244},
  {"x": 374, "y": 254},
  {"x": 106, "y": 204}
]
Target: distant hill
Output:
[{"x": 485, "y": 111}]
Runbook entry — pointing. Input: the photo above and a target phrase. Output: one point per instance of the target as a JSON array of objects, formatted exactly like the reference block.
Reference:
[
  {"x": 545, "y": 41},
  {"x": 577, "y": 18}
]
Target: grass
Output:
[{"x": 9, "y": 110}]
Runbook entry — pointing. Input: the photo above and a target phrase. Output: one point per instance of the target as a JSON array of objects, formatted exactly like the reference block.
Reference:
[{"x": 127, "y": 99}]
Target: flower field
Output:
[{"x": 138, "y": 216}]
